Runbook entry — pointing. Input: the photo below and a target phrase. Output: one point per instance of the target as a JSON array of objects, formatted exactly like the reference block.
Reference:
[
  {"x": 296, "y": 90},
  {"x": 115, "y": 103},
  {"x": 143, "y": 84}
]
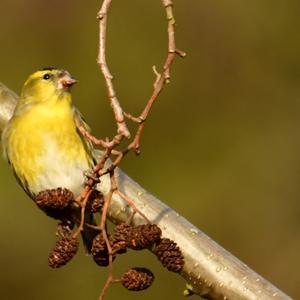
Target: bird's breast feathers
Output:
[{"x": 46, "y": 150}]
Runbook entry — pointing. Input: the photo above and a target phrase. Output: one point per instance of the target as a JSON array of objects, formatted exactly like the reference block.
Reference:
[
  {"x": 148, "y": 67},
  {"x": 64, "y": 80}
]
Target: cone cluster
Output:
[
  {"x": 148, "y": 236},
  {"x": 60, "y": 204}
]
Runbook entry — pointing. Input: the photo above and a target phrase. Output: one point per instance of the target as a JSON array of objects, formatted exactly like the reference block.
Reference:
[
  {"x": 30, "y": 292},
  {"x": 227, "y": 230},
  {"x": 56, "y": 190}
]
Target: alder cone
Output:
[
  {"x": 63, "y": 251},
  {"x": 169, "y": 254},
  {"x": 139, "y": 237},
  {"x": 137, "y": 279},
  {"x": 96, "y": 201},
  {"x": 55, "y": 202},
  {"x": 122, "y": 233},
  {"x": 100, "y": 252}
]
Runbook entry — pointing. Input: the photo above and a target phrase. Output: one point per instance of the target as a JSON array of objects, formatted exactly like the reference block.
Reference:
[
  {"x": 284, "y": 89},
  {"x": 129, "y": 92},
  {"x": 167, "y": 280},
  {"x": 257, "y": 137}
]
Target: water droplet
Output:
[
  {"x": 257, "y": 280},
  {"x": 164, "y": 227},
  {"x": 275, "y": 294},
  {"x": 199, "y": 276},
  {"x": 139, "y": 193},
  {"x": 196, "y": 265},
  {"x": 259, "y": 291},
  {"x": 225, "y": 268},
  {"x": 221, "y": 284},
  {"x": 210, "y": 256},
  {"x": 245, "y": 278},
  {"x": 194, "y": 231},
  {"x": 218, "y": 269},
  {"x": 177, "y": 214},
  {"x": 243, "y": 282},
  {"x": 225, "y": 298},
  {"x": 167, "y": 216}
]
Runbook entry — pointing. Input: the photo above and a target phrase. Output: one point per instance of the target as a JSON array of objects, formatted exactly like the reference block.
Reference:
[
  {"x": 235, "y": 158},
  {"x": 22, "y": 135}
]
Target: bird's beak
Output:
[{"x": 66, "y": 81}]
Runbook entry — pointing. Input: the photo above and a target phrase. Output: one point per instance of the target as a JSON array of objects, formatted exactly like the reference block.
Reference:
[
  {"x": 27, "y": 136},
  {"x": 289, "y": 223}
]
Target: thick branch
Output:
[{"x": 209, "y": 270}]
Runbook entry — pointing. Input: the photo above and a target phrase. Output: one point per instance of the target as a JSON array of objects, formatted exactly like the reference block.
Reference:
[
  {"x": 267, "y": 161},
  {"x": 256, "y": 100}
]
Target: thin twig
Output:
[
  {"x": 93, "y": 139},
  {"x": 109, "y": 145},
  {"x": 118, "y": 111},
  {"x": 82, "y": 215},
  {"x": 107, "y": 201},
  {"x": 132, "y": 204},
  {"x": 160, "y": 80},
  {"x": 83, "y": 198}
]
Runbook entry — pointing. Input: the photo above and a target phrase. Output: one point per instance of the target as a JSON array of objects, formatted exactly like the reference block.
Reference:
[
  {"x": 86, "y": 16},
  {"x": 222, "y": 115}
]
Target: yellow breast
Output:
[{"x": 45, "y": 149}]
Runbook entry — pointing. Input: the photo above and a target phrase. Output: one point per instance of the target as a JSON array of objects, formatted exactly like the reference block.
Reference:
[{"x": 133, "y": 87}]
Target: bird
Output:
[{"x": 42, "y": 142}]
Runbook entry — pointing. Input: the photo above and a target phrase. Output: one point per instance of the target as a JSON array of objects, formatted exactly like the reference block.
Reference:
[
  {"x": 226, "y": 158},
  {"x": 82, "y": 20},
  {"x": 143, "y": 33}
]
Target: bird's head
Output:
[{"x": 46, "y": 83}]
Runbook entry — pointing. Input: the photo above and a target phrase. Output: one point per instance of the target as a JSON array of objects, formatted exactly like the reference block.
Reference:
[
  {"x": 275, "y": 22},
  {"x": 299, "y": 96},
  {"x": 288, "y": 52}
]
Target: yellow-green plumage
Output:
[{"x": 41, "y": 141}]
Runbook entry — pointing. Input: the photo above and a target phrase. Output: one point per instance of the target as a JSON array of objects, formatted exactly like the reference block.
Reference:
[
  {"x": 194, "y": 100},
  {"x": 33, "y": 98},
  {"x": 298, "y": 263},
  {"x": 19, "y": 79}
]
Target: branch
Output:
[
  {"x": 118, "y": 111},
  {"x": 210, "y": 271}
]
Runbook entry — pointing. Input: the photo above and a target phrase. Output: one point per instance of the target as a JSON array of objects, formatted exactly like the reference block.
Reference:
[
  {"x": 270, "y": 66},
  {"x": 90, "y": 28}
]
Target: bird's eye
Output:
[{"x": 46, "y": 76}]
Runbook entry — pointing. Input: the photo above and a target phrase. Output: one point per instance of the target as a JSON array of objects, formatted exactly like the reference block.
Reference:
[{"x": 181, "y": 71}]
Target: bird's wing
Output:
[
  {"x": 21, "y": 179},
  {"x": 80, "y": 122}
]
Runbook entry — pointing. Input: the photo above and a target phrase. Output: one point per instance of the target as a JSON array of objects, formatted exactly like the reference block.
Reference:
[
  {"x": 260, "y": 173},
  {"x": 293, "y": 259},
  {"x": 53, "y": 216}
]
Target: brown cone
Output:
[
  {"x": 96, "y": 201},
  {"x": 63, "y": 251},
  {"x": 119, "y": 247},
  {"x": 169, "y": 254},
  {"x": 100, "y": 251},
  {"x": 55, "y": 203},
  {"x": 122, "y": 233},
  {"x": 144, "y": 236},
  {"x": 137, "y": 279},
  {"x": 139, "y": 237}
]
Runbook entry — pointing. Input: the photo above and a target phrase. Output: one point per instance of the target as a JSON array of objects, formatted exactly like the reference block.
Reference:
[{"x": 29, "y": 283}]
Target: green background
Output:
[{"x": 221, "y": 145}]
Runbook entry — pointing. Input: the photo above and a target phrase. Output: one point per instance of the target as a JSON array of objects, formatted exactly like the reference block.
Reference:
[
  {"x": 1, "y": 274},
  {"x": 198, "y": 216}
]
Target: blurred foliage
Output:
[{"x": 225, "y": 131}]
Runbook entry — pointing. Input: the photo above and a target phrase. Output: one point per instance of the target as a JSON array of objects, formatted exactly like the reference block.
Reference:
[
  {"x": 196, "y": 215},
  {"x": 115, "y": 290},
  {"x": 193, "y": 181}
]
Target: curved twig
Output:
[{"x": 118, "y": 111}]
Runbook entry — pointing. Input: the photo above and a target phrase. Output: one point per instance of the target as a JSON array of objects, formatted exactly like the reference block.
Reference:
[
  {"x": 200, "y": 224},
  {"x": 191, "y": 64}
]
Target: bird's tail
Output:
[{"x": 88, "y": 234}]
